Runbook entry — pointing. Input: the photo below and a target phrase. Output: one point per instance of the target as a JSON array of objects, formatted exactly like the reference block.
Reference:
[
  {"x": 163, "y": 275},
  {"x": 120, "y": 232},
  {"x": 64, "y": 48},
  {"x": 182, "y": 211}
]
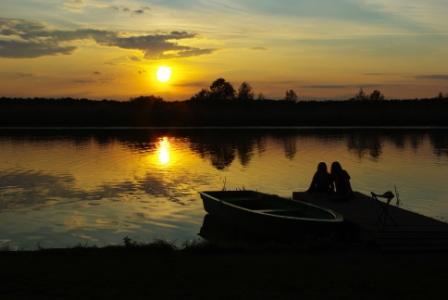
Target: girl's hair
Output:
[
  {"x": 322, "y": 167},
  {"x": 336, "y": 167}
]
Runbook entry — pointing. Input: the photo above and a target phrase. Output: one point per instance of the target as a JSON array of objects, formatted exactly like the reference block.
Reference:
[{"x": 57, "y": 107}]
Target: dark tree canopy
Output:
[
  {"x": 361, "y": 95},
  {"x": 376, "y": 96},
  {"x": 203, "y": 94},
  {"x": 222, "y": 90},
  {"x": 291, "y": 95},
  {"x": 146, "y": 100},
  {"x": 245, "y": 92}
]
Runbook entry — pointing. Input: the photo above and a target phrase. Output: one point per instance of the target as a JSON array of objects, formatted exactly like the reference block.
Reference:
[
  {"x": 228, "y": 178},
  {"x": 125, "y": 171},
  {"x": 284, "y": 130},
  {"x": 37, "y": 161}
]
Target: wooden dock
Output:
[{"x": 402, "y": 230}]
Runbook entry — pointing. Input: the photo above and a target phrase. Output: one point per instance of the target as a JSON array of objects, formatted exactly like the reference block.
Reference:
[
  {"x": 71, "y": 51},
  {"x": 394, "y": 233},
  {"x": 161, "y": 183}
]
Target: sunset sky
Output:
[{"x": 320, "y": 48}]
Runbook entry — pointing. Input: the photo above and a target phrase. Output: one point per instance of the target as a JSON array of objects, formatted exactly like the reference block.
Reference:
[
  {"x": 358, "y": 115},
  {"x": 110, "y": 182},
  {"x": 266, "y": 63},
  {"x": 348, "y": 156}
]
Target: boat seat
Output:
[
  {"x": 263, "y": 204},
  {"x": 271, "y": 210}
]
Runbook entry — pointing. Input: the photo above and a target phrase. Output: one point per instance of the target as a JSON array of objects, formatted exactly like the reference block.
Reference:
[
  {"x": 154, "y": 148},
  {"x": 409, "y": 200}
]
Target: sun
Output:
[{"x": 164, "y": 74}]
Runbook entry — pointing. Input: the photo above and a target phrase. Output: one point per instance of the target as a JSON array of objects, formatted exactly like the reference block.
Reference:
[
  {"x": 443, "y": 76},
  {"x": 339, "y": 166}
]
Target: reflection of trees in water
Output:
[
  {"x": 261, "y": 145},
  {"x": 399, "y": 140},
  {"x": 372, "y": 142},
  {"x": 222, "y": 147},
  {"x": 439, "y": 142},
  {"x": 288, "y": 141},
  {"x": 245, "y": 152},
  {"x": 290, "y": 147},
  {"x": 220, "y": 154},
  {"x": 416, "y": 140},
  {"x": 363, "y": 144},
  {"x": 139, "y": 141}
]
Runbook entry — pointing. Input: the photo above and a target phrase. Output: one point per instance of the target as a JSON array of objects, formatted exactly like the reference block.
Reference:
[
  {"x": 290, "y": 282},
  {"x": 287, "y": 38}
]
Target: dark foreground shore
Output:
[{"x": 142, "y": 273}]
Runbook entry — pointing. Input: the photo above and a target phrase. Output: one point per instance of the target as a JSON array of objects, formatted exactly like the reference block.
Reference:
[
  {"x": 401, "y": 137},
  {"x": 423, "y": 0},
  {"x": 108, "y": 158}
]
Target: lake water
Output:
[{"x": 62, "y": 188}]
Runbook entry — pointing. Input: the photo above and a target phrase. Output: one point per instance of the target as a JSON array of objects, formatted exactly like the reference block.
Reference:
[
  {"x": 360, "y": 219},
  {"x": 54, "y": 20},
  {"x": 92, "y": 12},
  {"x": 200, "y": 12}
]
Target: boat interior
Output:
[{"x": 271, "y": 204}]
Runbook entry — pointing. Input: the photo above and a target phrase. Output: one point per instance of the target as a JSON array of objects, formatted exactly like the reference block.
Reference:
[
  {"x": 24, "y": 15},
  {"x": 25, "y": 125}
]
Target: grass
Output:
[
  {"x": 203, "y": 270},
  {"x": 134, "y": 273},
  {"x": 315, "y": 244}
]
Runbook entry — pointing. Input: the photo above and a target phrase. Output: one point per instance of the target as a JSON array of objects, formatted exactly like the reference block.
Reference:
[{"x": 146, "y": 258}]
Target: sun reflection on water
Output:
[{"x": 163, "y": 151}]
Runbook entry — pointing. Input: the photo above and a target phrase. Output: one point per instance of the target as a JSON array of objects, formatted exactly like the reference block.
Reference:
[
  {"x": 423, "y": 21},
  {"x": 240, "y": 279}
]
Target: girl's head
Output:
[
  {"x": 322, "y": 167},
  {"x": 336, "y": 167}
]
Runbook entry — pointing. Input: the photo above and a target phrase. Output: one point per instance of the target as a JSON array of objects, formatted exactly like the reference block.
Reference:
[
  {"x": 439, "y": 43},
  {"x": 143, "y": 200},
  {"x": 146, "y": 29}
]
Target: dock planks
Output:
[{"x": 412, "y": 231}]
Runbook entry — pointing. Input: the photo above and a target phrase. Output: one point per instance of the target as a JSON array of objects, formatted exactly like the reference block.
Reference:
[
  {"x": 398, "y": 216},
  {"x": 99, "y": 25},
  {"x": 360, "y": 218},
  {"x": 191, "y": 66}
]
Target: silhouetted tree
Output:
[
  {"x": 261, "y": 97},
  {"x": 376, "y": 96},
  {"x": 291, "y": 96},
  {"x": 202, "y": 95},
  {"x": 361, "y": 95},
  {"x": 441, "y": 96},
  {"x": 146, "y": 100},
  {"x": 245, "y": 92},
  {"x": 222, "y": 90}
]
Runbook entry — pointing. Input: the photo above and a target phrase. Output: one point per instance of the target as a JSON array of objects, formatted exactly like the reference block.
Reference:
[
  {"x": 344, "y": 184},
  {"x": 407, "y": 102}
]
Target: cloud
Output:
[
  {"x": 259, "y": 48},
  {"x": 347, "y": 86},
  {"x": 83, "y": 81},
  {"x": 24, "y": 75},
  {"x": 17, "y": 74},
  {"x": 94, "y": 78},
  {"x": 125, "y": 9},
  {"x": 375, "y": 74},
  {"x": 27, "y": 39},
  {"x": 193, "y": 84},
  {"x": 17, "y": 49},
  {"x": 327, "y": 86},
  {"x": 75, "y": 4},
  {"x": 433, "y": 77},
  {"x": 78, "y": 5},
  {"x": 135, "y": 58}
]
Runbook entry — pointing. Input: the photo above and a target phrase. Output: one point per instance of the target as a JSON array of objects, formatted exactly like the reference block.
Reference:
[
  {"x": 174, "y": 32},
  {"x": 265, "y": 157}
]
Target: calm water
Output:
[{"x": 62, "y": 188}]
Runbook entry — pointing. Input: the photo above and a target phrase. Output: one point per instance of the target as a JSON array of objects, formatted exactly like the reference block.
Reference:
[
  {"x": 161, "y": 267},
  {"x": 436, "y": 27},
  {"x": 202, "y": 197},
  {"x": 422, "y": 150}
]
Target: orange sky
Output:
[{"x": 320, "y": 48}]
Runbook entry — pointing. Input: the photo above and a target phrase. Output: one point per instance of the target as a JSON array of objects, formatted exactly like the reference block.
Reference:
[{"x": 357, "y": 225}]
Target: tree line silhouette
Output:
[{"x": 223, "y": 105}]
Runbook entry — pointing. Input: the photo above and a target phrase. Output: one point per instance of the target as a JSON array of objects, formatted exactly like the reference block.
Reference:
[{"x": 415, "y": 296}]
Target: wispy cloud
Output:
[
  {"x": 126, "y": 9},
  {"x": 75, "y": 4},
  {"x": 348, "y": 86},
  {"x": 375, "y": 74},
  {"x": 27, "y": 39},
  {"x": 433, "y": 77},
  {"x": 79, "y": 5}
]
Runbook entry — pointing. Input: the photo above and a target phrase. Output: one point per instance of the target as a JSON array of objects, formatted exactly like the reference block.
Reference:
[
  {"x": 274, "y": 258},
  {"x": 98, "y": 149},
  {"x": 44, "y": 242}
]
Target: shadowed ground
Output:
[{"x": 138, "y": 273}]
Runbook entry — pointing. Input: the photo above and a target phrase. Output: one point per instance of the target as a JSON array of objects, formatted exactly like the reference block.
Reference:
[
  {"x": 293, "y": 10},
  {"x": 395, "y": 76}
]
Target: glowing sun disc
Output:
[{"x": 163, "y": 74}]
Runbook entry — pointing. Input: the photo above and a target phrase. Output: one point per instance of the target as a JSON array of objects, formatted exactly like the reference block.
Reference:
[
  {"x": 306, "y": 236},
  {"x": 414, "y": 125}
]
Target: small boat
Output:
[{"x": 269, "y": 214}]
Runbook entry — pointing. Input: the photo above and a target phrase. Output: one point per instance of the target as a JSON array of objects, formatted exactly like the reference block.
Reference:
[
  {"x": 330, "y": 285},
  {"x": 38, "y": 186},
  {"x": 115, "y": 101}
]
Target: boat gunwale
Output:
[{"x": 338, "y": 218}]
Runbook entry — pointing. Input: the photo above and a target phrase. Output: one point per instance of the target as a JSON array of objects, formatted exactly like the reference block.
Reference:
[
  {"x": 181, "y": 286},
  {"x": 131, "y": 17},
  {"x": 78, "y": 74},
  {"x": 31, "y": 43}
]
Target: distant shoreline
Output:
[
  {"x": 148, "y": 113},
  {"x": 329, "y": 128}
]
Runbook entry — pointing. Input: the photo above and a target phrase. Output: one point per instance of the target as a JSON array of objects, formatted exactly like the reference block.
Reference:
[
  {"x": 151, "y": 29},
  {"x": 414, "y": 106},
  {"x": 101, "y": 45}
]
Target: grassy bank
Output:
[{"x": 203, "y": 271}]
